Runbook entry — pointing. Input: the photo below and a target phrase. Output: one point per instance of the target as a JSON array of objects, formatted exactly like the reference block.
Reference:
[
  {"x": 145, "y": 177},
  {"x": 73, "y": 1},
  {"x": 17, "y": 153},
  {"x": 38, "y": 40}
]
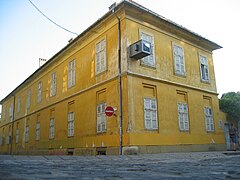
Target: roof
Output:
[{"x": 130, "y": 3}]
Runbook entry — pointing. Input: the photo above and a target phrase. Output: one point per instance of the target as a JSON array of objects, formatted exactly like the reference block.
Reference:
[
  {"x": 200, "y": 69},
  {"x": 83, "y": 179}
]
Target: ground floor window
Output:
[
  {"x": 150, "y": 113},
  {"x": 71, "y": 124},
  {"x": 209, "y": 119},
  {"x": 183, "y": 117},
  {"x": 51, "y": 131},
  {"x": 101, "y": 118}
]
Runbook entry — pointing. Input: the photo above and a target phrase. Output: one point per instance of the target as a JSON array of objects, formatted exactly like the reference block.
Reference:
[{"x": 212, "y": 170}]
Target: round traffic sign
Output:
[{"x": 109, "y": 111}]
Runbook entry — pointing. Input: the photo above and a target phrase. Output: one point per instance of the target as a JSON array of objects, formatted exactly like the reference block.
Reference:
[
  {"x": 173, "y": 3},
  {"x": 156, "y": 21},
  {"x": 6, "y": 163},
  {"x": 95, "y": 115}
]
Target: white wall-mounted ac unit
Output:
[{"x": 140, "y": 49}]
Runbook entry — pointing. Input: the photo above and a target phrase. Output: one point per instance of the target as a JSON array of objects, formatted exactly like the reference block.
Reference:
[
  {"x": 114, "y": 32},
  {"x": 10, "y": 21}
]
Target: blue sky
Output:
[{"x": 27, "y": 36}]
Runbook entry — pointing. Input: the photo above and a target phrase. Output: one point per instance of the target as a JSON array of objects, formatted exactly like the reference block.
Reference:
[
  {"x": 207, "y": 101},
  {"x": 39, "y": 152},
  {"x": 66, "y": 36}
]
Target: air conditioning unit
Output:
[{"x": 140, "y": 49}]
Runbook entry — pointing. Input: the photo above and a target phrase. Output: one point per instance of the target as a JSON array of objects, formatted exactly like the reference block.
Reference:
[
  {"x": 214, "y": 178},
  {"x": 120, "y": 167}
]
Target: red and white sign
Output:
[{"x": 109, "y": 111}]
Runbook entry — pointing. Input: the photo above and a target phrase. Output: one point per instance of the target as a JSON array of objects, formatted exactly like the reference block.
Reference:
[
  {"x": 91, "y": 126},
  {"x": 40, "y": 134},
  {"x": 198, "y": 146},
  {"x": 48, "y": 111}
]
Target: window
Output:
[
  {"x": 18, "y": 105},
  {"x": 4, "y": 113},
  {"x": 51, "y": 132},
  {"x": 39, "y": 94},
  {"x": 178, "y": 55},
  {"x": 53, "y": 84},
  {"x": 204, "y": 68},
  {"x": 148, "y": 60},
  {"x": 100, "y": 63},
  {"x": 38, "y": 131},
  {"x": 17, "y": 135},
  {"x": 183, "y": 117},
  {"x": 209, "y": 119},
  {"x": 11, "y": 112},
  {"x": 101, "y": 118},
  {"x": 71, "y": 124},
  {"x": 26, "y": 134},
  {"x": 28, "y": 99},
  {"x": 71, "y": 73},
  {"x": 150, "y": 113}
]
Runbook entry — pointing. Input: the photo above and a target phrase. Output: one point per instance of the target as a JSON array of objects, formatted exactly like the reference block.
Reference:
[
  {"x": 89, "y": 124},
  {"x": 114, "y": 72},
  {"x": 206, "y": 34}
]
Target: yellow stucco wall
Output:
[{"x": 138, "y": 81}]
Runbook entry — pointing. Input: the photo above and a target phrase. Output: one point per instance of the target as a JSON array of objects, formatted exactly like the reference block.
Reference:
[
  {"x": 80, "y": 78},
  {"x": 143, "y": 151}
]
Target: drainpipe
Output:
[
  {"x": 12, "y": 125},
  {"x": 119, "y": 81}
]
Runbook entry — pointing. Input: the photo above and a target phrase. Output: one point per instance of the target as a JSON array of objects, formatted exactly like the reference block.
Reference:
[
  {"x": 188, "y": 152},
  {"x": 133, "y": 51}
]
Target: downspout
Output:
[
  {"x": 119, "y": 83},
  {"x": 12, "y": 125}
]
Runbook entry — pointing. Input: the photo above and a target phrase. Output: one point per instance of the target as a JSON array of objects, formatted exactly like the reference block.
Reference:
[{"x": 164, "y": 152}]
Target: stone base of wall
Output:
[
  {"x": 175, "y": 148},
  {"x": 129, "y": 150}
]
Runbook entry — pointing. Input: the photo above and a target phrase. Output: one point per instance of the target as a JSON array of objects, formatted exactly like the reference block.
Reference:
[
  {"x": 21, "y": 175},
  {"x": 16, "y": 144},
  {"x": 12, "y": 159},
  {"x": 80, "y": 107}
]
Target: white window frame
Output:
[
  {"x": 179, "y": 60},
  {"x": 4, "y": 113},
  {"x": 101, "y": 118},
  {"x": 17, "y": 135},
  {"x": 53, "y": 87},
  {"x": 204, "y": 69},
  {"x": 71, "y": 73},
  {"x": 70, "y": 124},
  {"x": 150, "y": 113},
  {"x": 38, "y": 131},
  {"x": 183, "y": 119},
  {"x": 18, "y": 105},
  {"x": 148, "y": 60},
  {"x": 28, "y": 103},
  {"x": 208, "y": 114},
  {"x": 26, "y": 133},
  {"x": 39, "y": 94},
  {"x": 11, "y": 112},
  {"x": 101, "y": 57},
  {"x": 51, "y": 128}
]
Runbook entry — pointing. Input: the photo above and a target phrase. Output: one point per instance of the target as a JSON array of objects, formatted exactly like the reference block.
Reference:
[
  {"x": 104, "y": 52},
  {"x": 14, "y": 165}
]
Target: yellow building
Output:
[{"x": 164, "y": 102}]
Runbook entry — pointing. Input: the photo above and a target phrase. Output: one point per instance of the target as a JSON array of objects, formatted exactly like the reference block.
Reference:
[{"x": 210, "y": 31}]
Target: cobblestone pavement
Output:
[{"x": 199, "y": 165}]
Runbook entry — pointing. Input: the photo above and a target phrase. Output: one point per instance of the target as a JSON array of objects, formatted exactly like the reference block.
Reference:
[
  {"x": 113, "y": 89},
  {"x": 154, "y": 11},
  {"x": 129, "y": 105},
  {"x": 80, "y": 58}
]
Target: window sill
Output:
[
  {"x": 148, "y": 66},
  {"x": 205, "y": 81},
  {"x": 180, "y": 75},
  {"x": 100, "y": 73}
]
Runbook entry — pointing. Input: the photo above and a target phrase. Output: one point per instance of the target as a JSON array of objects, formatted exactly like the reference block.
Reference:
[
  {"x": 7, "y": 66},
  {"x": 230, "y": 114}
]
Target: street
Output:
[{"x": 194, "y": 165}]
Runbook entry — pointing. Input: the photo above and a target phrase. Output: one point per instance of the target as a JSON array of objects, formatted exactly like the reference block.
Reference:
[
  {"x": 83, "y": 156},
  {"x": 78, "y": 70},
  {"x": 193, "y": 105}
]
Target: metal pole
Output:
[{"x": 119, "y": 83}]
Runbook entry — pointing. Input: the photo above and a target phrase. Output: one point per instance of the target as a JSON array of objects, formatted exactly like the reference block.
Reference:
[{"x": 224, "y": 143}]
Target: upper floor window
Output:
[
  {"x": 100, "y": 63},
  {"x": 71, "y": 73},
  {"x": 209, "y": 119},
  {"x": 39, "y": 94},
  {"x": 183, "y": 117},
  {"x": 204, "y": 68},
  {"x": 11, "y": 112},
  {"x": 101, "y": 118},
  {"x": 4, "y": 113},
  {"x": 148, "y": 60},
  {"x": 150, "y": 113},
  {"x": 179, "y": 64},
  {"x": 18, "y": 105},
  {"x": 53, "y": 84},
  {"x": 28, "y": 99}
]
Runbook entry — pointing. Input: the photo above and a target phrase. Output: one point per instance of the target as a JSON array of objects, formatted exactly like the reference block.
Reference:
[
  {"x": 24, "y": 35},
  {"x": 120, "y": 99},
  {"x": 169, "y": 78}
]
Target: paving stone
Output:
[{"x": 201, "y": 165}]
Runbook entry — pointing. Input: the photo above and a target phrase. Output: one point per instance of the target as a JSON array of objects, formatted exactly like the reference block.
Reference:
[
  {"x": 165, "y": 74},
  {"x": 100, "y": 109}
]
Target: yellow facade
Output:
[{"x": 30, "y": 131}]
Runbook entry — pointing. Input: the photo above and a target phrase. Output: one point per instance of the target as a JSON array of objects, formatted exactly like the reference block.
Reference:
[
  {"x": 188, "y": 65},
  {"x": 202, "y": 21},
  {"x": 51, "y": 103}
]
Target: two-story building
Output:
[{"x": 164, "y": 102}]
